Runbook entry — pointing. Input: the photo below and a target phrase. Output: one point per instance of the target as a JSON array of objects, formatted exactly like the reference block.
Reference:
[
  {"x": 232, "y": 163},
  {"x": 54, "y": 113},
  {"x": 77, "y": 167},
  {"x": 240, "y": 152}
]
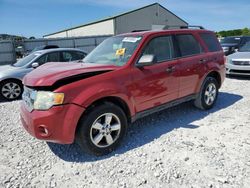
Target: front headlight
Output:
[{"x": 44, "y": 100}]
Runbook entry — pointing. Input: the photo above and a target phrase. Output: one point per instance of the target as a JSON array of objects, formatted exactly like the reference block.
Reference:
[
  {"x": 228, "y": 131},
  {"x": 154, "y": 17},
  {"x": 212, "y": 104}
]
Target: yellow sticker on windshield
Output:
[{"x": 120, "y": 52}]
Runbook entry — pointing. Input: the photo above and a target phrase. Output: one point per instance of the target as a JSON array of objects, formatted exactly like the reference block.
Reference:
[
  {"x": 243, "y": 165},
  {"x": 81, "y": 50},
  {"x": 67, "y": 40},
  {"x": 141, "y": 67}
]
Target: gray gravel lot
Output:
[{"x": 179, "y": 147}]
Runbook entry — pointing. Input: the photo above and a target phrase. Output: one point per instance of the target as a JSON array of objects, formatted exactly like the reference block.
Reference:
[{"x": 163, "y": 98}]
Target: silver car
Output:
[
  {"x": 11, "y": 75},
  {"x": 239, "y": 62}
]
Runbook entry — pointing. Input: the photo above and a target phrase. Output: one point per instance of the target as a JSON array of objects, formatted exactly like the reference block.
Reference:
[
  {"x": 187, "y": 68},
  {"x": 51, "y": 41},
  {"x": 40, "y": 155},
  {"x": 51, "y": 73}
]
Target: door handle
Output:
[{"x": 170, "y": 69}]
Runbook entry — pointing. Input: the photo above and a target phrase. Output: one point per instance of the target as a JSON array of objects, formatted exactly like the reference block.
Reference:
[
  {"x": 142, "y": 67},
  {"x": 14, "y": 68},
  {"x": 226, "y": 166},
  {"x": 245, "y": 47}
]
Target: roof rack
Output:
[
  {"x": 183, "y": 26},
  {"x": 192, "y": 26},
  {"x": 134, "y": 31}
]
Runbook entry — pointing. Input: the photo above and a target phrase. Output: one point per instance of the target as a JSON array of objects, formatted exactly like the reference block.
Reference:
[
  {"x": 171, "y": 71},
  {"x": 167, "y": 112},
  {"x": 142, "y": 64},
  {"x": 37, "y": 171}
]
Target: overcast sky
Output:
[{"x": 40, "y": 17}]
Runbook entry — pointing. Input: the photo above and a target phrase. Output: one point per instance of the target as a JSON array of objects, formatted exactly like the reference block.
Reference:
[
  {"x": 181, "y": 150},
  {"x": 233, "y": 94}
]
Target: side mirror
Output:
[
  {"x": 146, "y": 60},
  {"x": 35, "y": 65}
]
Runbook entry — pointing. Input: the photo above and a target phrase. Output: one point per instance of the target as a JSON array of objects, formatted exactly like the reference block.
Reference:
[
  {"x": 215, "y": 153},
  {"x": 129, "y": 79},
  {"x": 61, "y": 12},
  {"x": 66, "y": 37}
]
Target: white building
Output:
[{"x": 153, "y": 16}]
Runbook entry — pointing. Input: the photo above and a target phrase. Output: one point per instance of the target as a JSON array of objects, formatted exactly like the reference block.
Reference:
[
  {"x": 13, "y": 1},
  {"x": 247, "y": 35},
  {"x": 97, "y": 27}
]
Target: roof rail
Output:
[
  {"x": 182, "y": 27},
  {"x": 192, "y": 26},
  {"x": 134, "y": 31}
]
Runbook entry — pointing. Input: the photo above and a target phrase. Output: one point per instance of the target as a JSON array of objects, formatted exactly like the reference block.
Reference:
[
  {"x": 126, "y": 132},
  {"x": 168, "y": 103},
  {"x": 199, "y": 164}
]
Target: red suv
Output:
[{"x": 125, "y": 78}]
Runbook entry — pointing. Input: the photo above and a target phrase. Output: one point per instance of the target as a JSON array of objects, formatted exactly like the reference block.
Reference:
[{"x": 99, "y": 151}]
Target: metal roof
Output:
[{"x": 113, "y": 17}]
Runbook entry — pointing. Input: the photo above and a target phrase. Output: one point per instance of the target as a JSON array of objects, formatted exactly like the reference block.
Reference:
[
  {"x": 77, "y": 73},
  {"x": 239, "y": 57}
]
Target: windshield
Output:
[
  {"x": 24, "y": 61},
  {"x": 235, "y": 40},
  {"x": 245, "y": 47},
  {"x": 114, "y": 51}
]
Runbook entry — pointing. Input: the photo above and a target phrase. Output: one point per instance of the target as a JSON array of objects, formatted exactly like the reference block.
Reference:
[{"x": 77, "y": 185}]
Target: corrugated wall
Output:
[
  {"x": 7, "y": 51},
  {"x": 146, "y": 19},
  {"x": 99, "y": 28}
]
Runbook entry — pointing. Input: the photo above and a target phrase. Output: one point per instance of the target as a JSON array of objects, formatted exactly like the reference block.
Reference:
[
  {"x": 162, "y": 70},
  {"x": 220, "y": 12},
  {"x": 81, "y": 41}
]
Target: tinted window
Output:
[
  {"x": 42, "y": 59},
  {"x": 245, "y": 47},
  {"x": 211, "y": 42},
  {"x": 72, "y": 56},
  {"x": 231, "y": 40},
  {"x": 245, "y": 40},
  {"x": 161, "y": 47},
  {"x": 188, "y": 45},
  {"x": 53, "y": 57}
]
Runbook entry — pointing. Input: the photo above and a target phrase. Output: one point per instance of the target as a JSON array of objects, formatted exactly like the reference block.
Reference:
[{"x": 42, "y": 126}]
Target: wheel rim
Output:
[
  {"x": 210, "y": 94},
  {"x": 105, "y": 130},
  {"x": 11, "y": 90}
]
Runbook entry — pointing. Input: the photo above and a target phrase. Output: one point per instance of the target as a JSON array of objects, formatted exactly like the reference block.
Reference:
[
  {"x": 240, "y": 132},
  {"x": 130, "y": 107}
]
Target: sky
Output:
[{"x": 40, "y": 17}]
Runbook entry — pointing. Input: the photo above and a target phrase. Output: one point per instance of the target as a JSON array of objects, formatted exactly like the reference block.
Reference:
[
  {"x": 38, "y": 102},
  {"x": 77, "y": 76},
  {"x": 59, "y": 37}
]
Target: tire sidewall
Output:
[
  {"x": 85, "y": 124},
  {"x": 208, "y": 81}
]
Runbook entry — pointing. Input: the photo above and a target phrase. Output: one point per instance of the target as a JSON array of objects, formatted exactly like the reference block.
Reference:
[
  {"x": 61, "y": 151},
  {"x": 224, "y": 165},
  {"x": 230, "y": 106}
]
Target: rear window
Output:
[
  {"x": 211, "y": 42},
  {"x": 188, "y": 45}
]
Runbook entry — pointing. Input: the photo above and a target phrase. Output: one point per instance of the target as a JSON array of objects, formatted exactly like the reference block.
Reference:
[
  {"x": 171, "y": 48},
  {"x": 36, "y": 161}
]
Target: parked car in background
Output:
[
  {"x": 239, "y": 62},
  {"x": 232, "y": 44},
  {"x": 11, "y": 75},
  {"x": 125, "y": 78}
]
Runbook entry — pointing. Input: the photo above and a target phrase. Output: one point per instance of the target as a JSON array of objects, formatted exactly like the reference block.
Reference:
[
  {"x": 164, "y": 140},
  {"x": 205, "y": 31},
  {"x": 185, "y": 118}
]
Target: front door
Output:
[{"x": 156, "y": 84}]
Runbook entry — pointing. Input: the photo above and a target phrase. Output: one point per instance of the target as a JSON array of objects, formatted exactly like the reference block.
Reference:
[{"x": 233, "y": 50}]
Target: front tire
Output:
[
  {"x": 11, "y": 90},
  {"x": 102, "y": 129},
  {"x": 208, "y": 94}
]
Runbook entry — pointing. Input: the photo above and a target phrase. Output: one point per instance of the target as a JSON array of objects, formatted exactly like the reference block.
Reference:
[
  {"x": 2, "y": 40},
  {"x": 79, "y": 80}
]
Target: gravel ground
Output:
[{"x": 179, "y": 147}]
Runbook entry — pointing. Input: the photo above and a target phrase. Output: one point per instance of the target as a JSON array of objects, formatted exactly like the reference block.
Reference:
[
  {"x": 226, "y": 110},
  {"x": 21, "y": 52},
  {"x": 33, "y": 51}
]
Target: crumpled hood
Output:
[
  {"x": 50, "y": 73},
  {"x": 240, "y": 55}
]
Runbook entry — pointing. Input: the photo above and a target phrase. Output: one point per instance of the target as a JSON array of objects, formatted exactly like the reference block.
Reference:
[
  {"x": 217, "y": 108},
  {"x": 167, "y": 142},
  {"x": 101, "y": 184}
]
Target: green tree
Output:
[{"x": 235, "y": 32}]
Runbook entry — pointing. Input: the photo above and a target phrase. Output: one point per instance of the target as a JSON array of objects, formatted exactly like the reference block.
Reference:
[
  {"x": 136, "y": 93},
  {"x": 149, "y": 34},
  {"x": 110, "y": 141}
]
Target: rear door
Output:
[
  {"x": 215, "y": 55},
  {"x": 156, "y": 84},
  {"x": 191, "y": 57}
]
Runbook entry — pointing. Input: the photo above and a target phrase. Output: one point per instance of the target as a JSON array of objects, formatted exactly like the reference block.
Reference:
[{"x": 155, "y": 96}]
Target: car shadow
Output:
[
  {"x": 149, "y": 128},
  {"x": 2, "y": 100}
]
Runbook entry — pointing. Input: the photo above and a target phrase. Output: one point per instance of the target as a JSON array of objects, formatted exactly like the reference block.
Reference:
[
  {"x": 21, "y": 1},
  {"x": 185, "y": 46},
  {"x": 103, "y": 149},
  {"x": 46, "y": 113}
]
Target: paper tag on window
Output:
[
  {"x": 131, "y": 39},
  {"x": 120, "y": 52}
]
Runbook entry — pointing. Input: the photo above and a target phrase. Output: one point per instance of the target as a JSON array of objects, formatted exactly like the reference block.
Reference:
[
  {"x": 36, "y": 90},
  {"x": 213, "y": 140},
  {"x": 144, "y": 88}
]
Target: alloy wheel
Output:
[
  {"x": 11, "y": 90},
  {"x": 210, "y": 94},
  {"x": 105, "y": 130}
]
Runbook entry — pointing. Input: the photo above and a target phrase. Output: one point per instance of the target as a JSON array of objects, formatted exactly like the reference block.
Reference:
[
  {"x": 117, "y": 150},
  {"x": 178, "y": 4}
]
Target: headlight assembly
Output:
[{"x": 44, "y": 100}]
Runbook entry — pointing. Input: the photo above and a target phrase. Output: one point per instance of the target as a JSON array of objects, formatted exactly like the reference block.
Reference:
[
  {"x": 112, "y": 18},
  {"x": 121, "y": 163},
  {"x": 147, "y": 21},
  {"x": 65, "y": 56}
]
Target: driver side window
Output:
[
  {"x": 161, "y": 47},
  {"x": 50, "y": 57},
  {"x": 42, "y": 59}
]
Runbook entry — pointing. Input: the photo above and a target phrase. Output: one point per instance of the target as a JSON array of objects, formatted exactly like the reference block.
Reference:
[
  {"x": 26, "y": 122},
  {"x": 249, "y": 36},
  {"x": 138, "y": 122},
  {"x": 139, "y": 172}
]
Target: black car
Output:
[{"x": 232, "y": 44}]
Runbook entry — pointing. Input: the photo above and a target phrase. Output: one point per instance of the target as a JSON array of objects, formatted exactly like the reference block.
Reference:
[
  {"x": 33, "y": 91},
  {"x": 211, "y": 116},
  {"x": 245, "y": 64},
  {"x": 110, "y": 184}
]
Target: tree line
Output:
[{"x": 235, "y": 32}]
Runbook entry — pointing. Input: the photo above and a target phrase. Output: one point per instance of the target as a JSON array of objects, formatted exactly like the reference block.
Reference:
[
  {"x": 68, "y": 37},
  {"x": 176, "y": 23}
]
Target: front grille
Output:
[
  {"x": 29, "y": 98},
  {"x": 241, "y": 63},
  {"x": 240, "y": 71}
]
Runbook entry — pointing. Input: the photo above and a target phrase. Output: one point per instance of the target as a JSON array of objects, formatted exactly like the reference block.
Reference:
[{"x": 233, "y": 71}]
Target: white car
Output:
[{"x": 239, "y": 62}]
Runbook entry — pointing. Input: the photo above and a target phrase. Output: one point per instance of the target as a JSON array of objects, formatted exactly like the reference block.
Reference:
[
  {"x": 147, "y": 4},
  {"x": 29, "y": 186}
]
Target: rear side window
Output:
[
  {"x": 161, "y": 48},
  {"x": 53, "y": 57},
  {"x": 188, "y": 45},
  {"x": 71, "y": 56},
  {"x": 211, "y": 42}
]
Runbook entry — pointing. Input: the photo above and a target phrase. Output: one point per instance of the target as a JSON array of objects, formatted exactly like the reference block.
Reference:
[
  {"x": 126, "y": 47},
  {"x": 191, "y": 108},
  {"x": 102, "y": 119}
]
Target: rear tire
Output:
[
  {"x": 208, "y": 94},
  {"x": 11, "y": 90},
  {"x": 101, "y": 129}
]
